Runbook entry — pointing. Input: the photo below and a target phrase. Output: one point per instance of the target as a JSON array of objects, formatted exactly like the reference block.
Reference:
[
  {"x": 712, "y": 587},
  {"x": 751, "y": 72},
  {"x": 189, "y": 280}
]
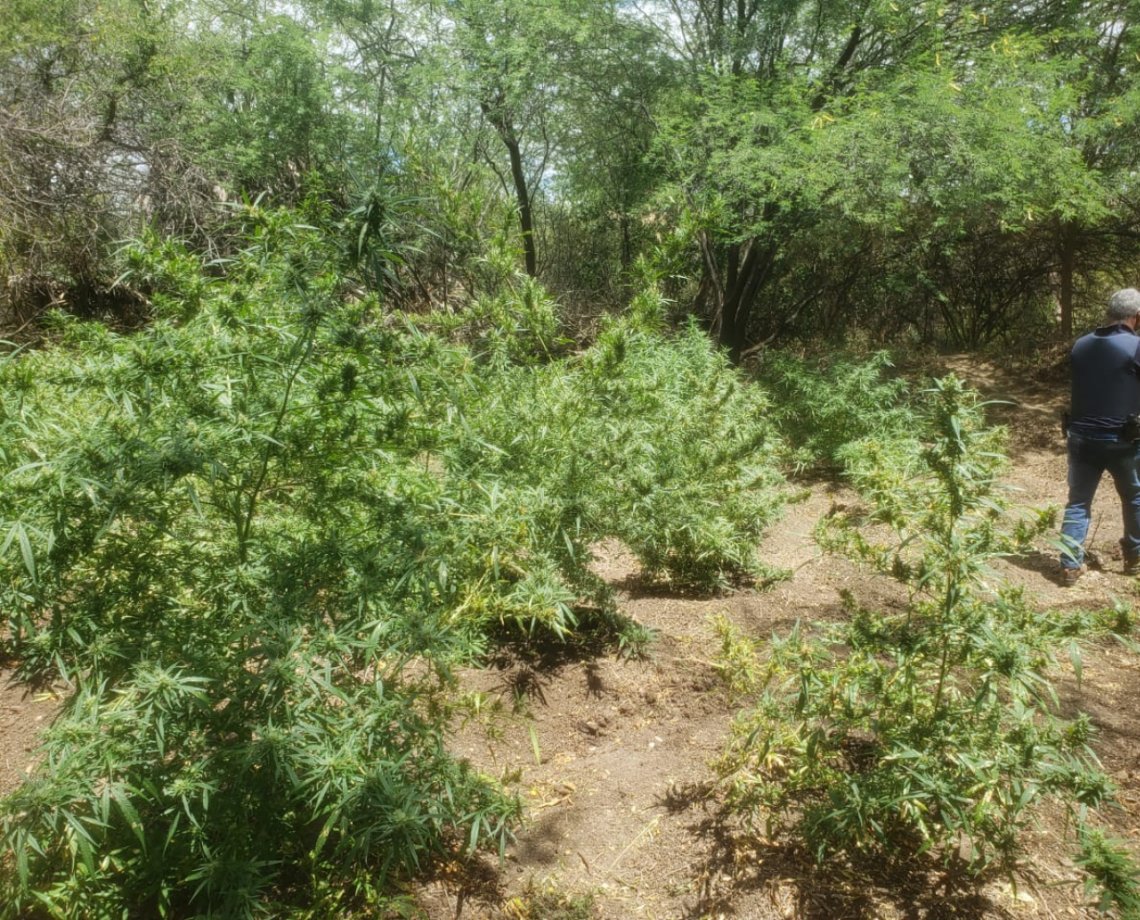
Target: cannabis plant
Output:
[
  {"x": 932, "y": 728},
  {"x": 691, "y": 449},
  {"x": 1113, "y": 874},
  {"x": 256, "y": 538},
  {"x": 655, "y": 441},
  {"x": 822, "y": 406},
  {"x": 216, "y": 534}
]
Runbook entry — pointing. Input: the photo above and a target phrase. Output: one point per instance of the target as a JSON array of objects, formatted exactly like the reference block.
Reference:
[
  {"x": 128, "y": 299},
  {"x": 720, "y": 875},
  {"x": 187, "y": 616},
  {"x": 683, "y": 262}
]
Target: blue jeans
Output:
[{"x": 1089, "y": 458}]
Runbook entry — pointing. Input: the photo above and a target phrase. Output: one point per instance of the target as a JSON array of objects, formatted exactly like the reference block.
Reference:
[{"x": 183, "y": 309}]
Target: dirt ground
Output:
[{"x": 612, "y": 755}]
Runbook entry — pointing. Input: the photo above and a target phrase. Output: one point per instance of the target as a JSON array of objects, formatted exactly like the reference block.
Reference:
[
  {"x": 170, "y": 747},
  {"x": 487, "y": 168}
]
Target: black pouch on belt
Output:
[{"x": 1131, "y": 429}]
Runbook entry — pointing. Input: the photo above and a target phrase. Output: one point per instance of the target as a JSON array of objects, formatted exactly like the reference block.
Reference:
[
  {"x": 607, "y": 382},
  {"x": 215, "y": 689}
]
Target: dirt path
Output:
[
  {"x": 24, "y": 713},
  {"x": 619, "y": 806}
]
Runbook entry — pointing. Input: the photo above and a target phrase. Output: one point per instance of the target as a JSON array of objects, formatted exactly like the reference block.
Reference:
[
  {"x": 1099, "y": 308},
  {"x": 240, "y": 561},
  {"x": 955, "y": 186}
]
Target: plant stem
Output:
[{"x": 245, "y": 525}]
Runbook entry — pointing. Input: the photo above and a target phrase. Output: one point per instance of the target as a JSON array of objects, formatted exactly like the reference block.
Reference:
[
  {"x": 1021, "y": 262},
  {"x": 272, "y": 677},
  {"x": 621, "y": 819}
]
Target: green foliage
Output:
[
  {"x": 75, "y": 79},
  {"x": 218, "y": 527},
  {"x": 263, "y": 104},
  {"x": 654, "y": 441},
  {"x": 823, "y": 406},
  {"x": 939, "y": 198},
  {"x": 696, "y": 454},
  {"x": 930, "y": 728},
  {"x": 257, "y": 536},
  {"x": 803, "y": 185},
  {"x": 168, "y": 272},
  {"x": 1112, "y": 871},
  {"x": 518, "y": 324},
  {"x": 206, "y": 787}
]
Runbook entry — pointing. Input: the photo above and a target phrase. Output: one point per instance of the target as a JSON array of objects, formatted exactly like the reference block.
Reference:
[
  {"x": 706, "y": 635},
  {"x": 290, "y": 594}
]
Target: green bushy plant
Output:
[
  {"x": 821, "y": 406},
  {"x": 655, "y": 441},
  {"x": 257, "y": 536},
  {"x": 218, "y": 533},
  {"x": 167, "y": 272},
  {"x": 693, "y": 449},
  {"x": 517, "y": 325},
  {"x": 1113, "y": 874},
  {"x": 930, "y": 728}
]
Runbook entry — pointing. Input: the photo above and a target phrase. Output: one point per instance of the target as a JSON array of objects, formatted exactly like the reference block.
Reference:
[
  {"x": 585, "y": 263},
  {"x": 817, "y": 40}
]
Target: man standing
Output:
[{"x": 1106, "y": 391}]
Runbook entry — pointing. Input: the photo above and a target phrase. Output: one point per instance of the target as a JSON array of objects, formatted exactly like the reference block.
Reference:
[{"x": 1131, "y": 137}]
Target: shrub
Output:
[
  {"x": 1112, "y": 872},
  {"x": 517, "y": 325},
  {"x": 931, "y": 728},
  {"x": 219, "y": 524},
  {"x": 655, "y": 441},
  {"x": 692, "y": 451},
  {"x": 823, "y": 406},
  {"x": 257, "y": 536}
]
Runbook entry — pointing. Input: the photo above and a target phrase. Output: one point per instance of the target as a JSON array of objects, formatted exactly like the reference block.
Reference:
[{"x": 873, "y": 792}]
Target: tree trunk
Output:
[
  {"x": 1068, "y": 263},
  {"x": 503, "y": 126},
  {"x": 745, "y": 283},
  {"x": 522, "y": 196},
  {"x": 626, "y": 242}
]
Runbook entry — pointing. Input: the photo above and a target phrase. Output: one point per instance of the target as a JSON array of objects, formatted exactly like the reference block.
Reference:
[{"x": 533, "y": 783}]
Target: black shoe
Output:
[{"x": 1070, "y": 577}]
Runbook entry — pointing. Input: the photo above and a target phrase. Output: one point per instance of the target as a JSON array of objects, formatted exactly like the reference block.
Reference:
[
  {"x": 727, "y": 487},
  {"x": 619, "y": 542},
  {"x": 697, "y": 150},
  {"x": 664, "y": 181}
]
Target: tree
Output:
[
  {"x": 605, "y": 174},
  {"x": 135, "y": 113},
  {"x": 80, "y": 87},
  {"x": 1099, "y": 232},
  {"x": 805, "y": 129},
  {"x": 522, "y": 60}
]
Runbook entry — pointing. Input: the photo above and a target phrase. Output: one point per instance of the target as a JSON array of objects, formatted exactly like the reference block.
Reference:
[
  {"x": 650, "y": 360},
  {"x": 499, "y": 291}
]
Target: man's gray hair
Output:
[{"x": 1124, "y": 304}]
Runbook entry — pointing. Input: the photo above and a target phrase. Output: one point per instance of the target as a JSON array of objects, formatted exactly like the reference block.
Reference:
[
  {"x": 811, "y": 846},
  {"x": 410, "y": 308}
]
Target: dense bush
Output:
[
  {"x": 934, "y": 727},
  {"x": 257, "y": 536},
  {"x": 651, "y": 440},
  {"x": 692, "y": 451},
  {"x": 221, "y": 527},
  {"x": 822, "y": 406}
]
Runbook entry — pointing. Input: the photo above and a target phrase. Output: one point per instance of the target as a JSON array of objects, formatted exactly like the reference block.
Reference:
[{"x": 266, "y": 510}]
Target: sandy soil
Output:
[{"x": 24, "y": 713}]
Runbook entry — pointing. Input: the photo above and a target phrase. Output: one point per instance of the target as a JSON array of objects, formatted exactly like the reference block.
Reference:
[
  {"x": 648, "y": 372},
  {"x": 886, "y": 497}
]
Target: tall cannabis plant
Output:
[
  {"x": 652, "y": 439},
  {"x": 256, "y": 537},
  {"x": 822, "y": 406},
  {"x": 217, "y": 532},
  {"x": 932, "y": 728}
]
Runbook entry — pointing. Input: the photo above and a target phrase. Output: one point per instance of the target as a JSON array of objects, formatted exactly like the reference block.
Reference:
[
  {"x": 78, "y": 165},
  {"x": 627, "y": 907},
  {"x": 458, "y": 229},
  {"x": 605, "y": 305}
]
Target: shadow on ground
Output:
[{"x": 741, "y": 863}]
